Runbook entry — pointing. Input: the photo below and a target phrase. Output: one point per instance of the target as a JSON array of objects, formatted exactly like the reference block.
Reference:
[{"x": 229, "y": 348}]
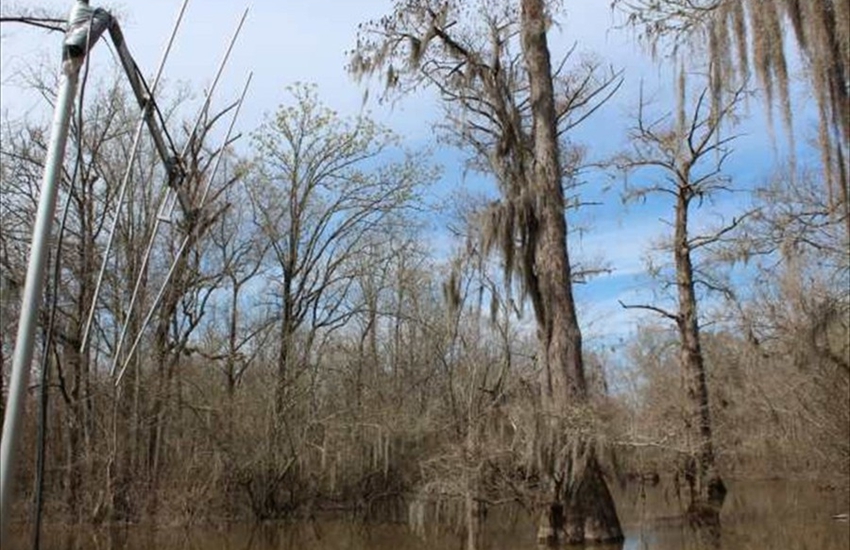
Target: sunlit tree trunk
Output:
[
  {"x": 682, "y": 153},
  {"x": 707, "y": 489},
  {"x": 579, "y": 489}
]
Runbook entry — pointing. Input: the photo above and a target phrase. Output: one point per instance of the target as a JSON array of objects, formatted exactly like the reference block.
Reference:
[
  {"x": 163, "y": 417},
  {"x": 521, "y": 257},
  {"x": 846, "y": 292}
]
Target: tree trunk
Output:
[
  {"x": 707, "y": 488},
  {"x": 287, "y": 337},
  {"x": 73, "y": 469},
  {"x": 473, "y": 511},
  {"x": 284, "y": 358},
  {"x": 232, "y": 349},
  {"x": 167, "y": 357},
  {"x": 581, "y": 508},
  {"x": 473, "y": 505}
]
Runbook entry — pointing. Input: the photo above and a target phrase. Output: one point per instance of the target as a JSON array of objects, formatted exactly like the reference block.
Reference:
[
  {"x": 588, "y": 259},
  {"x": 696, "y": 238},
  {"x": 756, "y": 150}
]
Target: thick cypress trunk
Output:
[
  {"x": 581, "y": 508},
  {"x": 707, "y": 488}
]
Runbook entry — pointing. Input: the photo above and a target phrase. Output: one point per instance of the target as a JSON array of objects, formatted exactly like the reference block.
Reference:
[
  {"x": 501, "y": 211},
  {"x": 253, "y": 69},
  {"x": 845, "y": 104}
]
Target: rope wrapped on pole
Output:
[
  {"x": 173, "y": 164},
  {"x": 85, "y": 26}
]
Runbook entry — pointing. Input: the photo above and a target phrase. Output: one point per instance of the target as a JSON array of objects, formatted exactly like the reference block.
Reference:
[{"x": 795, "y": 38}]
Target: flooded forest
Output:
[{"x": 318, "y": 331}]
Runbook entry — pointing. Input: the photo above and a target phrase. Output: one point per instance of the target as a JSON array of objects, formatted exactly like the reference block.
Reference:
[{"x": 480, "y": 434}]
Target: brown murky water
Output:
[{"x": 756, "y": 516}]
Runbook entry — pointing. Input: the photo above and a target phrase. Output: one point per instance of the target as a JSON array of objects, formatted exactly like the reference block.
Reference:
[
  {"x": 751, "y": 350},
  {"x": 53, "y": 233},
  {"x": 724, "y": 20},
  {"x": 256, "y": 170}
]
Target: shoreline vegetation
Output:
[{"x": 403, "y": 508}]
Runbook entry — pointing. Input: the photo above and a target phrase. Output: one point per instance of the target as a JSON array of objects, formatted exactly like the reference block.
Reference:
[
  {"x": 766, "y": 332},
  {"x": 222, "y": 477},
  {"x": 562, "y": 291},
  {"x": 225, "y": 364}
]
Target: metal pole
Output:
[
  {"x": 32, "y": 291},
  {"x": 80, "y": 36}
]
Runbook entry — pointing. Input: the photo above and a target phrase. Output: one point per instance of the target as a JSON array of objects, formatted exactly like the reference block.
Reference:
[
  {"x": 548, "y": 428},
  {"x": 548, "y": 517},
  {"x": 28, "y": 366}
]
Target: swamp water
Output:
[{"x": 756, "y": 516}]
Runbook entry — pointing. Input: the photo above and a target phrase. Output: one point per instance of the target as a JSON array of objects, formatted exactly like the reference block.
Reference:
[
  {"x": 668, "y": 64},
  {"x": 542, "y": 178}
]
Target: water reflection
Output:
[
  {"x": 755, "y": 517},
  {"x": 685, "y": 537}
]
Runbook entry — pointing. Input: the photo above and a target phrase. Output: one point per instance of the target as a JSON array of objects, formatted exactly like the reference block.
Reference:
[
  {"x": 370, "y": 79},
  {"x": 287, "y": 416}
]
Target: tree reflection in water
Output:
[{"x": 755, "y": 515}]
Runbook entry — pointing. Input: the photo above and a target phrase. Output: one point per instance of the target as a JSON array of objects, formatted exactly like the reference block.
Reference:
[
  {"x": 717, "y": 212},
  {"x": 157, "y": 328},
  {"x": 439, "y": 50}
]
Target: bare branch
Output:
[{"x": 658, "y": 310}]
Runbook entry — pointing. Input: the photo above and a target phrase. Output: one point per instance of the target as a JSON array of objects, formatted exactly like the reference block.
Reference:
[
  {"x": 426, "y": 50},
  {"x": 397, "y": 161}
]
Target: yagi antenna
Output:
[
  {"x": 180, "y": 250},
  {"x": 164, "y": 205},
  {"x": 125, "y": 181}
]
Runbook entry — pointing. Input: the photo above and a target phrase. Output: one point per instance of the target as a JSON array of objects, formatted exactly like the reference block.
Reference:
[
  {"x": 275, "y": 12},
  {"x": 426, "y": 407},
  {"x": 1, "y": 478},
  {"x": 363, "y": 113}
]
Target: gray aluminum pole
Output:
[
  {"x": 84, "y": 28},
  {"x": 32, "y": 297}
]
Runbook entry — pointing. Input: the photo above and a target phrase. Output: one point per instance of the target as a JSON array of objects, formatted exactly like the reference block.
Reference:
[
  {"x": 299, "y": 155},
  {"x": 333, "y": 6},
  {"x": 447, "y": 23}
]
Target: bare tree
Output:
[
  {"x": 738, "y": 37},
  {"x": 511, "y": 109},
  {"x": 323, "y": 190},
  {"x": 318, "y": 199},
  {"x": 111, "y": 438},
  {"x": 88, "y": 194},
  {"x": 796, "y": 325},
  {"x": 239, "y": 248},
  {"x": 688, "y": 155}
]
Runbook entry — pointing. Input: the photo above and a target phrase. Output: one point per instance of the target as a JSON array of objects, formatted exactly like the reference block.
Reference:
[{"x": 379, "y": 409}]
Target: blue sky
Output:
[{"x": 284, "y": 42}]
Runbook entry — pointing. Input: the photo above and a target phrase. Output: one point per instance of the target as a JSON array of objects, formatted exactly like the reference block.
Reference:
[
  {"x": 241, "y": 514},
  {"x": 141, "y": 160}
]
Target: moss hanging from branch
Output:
[{"x": 743, "y": 36}]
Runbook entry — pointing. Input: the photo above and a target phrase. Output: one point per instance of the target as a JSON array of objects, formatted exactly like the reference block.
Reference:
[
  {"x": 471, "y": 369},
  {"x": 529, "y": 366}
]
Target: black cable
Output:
[
  {"x": 54, "y": 297},
  {"x": 159, "y": 115}
]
